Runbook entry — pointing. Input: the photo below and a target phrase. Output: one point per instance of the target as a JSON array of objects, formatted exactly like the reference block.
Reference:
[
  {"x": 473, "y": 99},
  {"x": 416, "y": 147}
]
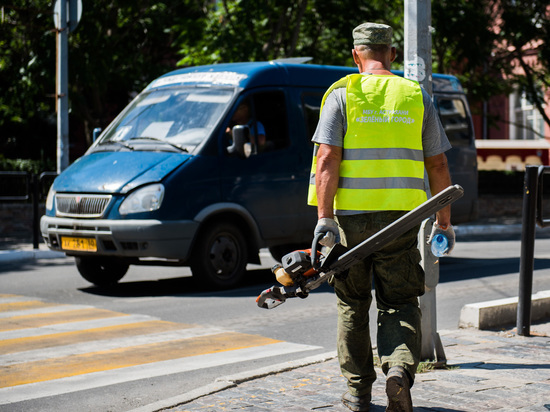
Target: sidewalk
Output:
[
  {"x": 486, "y": 371},
  {"x": 14, "y": 252}
]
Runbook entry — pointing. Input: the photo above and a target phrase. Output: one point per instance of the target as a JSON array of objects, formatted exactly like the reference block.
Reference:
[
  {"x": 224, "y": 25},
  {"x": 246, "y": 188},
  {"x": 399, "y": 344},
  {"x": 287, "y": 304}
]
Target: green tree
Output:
[
  {"x": 463, "y": 42},
  {"x": 254, "y": 30},
  {"x": 525, "y": 33},
  {"x": 117, "y": 48},
  {"x": 484, "y": 42},
  {"x": 27, "y": 80}
]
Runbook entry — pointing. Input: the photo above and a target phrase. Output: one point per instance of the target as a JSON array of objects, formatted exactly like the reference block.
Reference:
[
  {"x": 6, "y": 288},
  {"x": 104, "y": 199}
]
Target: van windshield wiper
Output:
[
  {"x": 156, "y": 139},
  {"x": 127, "y": 146}
]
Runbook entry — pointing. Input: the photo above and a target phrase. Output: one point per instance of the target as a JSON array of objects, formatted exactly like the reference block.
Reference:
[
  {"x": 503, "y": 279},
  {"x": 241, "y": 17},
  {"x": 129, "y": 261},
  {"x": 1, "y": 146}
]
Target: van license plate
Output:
[{"x": 79, "y": 243}]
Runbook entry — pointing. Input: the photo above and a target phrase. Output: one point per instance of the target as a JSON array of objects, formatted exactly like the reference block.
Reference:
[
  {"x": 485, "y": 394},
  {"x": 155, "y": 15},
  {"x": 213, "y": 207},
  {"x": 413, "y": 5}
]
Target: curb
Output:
[
  {"x": 476, "y": 230},
  {"x": 14, "y": 256},
  {"x": 495, "y": 229},
  {"x": 501, "y": 312},
  {"x": 232, "y": 381}
]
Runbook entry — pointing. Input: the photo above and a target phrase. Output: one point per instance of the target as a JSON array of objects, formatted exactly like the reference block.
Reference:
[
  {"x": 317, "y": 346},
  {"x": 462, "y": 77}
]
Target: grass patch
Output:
[
  {"x": 428, "y": 366},
  {"x": 423, "y": 367}
]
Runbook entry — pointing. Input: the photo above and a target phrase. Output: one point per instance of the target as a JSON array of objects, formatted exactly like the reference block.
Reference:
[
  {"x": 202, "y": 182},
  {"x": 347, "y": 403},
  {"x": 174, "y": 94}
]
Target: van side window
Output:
[
  {"x": 270, "y": 110},
  {"x": 454, "y": 119},
  {"x": 311, "y": 102}
]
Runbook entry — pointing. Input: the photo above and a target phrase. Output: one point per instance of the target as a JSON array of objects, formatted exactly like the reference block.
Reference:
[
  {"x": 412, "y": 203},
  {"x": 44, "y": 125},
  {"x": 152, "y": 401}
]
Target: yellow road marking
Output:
[
  {"x": 7, "y": 295},
  {"x": 24, "y": 305},
  {"x": 39, "y": 371},
  {"x": 55, "y": 318},
  {"x": 103, "y": 333}
]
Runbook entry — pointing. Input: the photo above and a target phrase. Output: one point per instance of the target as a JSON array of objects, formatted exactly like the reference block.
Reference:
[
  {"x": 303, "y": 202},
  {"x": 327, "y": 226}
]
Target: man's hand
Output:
[
  {"x": 329, "y": 228},
  {"x": 448, "y": 232}
]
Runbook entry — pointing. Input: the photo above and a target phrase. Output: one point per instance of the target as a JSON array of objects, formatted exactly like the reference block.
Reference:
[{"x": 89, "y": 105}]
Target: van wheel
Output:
[
  {"x": 220, "y": 256},
  {"x": 101, "y": 271}
]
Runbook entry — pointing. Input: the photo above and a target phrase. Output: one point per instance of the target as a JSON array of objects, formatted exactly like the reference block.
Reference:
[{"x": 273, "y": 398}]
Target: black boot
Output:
[
  {"x": 356, "y": 403},
  {"x": 398, "y": 390}
]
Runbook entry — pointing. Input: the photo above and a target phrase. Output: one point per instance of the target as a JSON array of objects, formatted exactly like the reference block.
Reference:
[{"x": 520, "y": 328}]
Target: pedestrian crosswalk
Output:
[{"x": 48, "y": 349}]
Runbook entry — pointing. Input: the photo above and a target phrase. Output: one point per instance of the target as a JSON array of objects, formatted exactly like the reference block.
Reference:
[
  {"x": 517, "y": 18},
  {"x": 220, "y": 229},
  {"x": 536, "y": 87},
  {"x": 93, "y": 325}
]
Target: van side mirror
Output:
[
  {"x": 95, "y": 134},
  {"x": 241, "y": 142}
]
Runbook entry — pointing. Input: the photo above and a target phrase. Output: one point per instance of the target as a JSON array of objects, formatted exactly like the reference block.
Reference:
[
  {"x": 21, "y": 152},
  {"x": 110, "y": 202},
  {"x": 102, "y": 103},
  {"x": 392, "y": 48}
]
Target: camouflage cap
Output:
[{"x": 372, "y": 33}]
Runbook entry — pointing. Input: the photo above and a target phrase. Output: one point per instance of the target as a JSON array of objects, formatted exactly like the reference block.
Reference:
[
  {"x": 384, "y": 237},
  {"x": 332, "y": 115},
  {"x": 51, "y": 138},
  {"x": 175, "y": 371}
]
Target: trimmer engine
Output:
[
  {"x": 295, "y": 267},
  {"x": 299, "y": 273}
]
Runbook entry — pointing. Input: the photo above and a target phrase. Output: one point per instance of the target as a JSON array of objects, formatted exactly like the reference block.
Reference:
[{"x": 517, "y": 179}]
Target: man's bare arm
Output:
[
  {"x": 326, "y": 178},
  {"x": 439, "y": 178}
]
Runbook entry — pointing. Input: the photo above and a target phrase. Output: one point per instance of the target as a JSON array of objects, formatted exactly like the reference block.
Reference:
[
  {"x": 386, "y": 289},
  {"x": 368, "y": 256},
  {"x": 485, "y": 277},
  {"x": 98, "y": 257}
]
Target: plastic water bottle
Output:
[{"x": 440, "y": 244}]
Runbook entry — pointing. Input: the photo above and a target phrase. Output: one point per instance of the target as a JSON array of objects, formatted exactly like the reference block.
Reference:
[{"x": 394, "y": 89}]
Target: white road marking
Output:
[{"x": 98, "y": 379}]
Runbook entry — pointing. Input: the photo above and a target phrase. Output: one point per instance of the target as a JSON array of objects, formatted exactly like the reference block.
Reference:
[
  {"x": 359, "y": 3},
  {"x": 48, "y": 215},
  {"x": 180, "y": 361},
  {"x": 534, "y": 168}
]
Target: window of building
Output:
[{"x": 526, "y": 122}]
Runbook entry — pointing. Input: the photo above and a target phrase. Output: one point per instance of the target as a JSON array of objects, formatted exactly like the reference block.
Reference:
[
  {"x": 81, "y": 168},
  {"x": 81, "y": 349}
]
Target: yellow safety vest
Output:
[{"x": 382, "y": 164}]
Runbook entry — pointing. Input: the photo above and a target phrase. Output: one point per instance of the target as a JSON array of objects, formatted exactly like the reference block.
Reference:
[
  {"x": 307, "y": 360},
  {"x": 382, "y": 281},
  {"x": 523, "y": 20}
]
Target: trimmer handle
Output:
[
  {"x": 271, "y": 298},
  {"x": 315, "y": 249}
]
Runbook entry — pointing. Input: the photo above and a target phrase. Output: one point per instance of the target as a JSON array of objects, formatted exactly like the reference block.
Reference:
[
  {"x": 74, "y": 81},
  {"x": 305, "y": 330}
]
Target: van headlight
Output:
[
  {"x": 50, "y": 198},
  {"x": 146, "y": 199}
]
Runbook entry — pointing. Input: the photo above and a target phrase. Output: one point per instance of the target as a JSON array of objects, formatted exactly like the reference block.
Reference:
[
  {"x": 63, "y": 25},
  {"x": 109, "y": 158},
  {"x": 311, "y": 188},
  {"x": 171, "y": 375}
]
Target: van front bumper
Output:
[{"x": 123, "y": 238}]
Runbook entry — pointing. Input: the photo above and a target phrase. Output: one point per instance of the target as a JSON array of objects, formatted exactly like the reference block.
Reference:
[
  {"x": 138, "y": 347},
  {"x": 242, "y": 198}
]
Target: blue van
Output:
[{"x": 210, "y": 164}]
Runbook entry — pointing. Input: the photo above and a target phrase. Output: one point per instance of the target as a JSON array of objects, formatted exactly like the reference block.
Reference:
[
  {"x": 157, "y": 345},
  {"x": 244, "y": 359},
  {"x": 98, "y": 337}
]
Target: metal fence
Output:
[
  {"x": 27, "y": 187},
  {"x": 533, "y": 211}
]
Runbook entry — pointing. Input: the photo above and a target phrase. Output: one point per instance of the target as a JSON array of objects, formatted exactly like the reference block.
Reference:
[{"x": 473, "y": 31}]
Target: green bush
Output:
[
  {"x": 26, "y": 165},
  {"x": 19, "y": 185}
]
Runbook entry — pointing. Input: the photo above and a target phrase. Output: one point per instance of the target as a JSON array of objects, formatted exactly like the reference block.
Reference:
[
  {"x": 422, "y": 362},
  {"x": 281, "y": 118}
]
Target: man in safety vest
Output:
[{"x": 376, "y": 134}]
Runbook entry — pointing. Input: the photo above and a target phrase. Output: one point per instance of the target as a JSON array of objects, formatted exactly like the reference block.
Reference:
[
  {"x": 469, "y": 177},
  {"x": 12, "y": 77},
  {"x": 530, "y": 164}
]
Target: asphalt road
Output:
[{"x": 203, "y": 335}]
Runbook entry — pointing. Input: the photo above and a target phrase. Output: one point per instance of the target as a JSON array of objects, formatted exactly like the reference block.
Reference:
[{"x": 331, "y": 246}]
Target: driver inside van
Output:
[{"x": 257, "y": 130}]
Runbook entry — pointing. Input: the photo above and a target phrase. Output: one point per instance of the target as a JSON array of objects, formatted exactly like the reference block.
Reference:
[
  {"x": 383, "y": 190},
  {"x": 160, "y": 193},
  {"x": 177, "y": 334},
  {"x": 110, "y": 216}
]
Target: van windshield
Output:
[{"x": 169, "y": 119}]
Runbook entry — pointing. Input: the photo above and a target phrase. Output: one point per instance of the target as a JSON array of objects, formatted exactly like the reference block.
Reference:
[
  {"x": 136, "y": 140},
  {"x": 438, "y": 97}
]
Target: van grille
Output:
[{"x": 81, "y": 205}]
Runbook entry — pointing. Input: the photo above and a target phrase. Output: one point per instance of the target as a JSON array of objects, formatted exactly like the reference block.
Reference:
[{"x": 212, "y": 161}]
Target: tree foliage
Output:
[
  {"x": 495, "y": 46},
  {"x": 27, "y": 79},
  {"x": 258, "y": 30},
  {"x": 120, "y": 46},
  {"x": 117, "y": 48},
  {"x": 525, "y": 33}
]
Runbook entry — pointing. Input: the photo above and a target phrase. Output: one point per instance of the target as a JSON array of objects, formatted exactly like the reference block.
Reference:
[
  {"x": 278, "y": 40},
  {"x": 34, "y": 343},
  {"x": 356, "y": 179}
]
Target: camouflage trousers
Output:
[{"x": 398, "y": 281}]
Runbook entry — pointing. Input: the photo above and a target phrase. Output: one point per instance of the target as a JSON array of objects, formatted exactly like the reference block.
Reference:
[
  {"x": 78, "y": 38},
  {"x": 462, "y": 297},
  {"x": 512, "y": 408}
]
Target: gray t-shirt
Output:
[{"x": 332, "y": 125}]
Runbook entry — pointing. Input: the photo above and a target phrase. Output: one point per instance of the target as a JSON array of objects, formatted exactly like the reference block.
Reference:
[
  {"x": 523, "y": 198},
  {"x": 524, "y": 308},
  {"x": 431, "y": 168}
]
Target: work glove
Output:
[
  {"x": 448, "y": 232},
  {"x": 329, "y": 228}
]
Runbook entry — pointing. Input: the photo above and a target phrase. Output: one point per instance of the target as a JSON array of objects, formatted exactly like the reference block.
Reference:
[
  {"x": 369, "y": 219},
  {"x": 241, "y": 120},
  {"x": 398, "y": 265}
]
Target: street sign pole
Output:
[
  {"x": 62, "y": 91},
  {"x": 66, "y": 15}
]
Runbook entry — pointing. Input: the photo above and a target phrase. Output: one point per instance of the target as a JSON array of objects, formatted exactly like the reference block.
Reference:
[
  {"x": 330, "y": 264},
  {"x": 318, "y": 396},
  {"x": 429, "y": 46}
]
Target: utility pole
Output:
[
  {"x": 66, "y": 16},
  {"x": 418, "y": 66},
  {"x": 418, "y": 42}
]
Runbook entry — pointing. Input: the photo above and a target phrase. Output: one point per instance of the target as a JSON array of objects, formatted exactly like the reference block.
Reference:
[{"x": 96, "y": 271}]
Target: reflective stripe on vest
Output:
[{"x": 382, "y": 162}]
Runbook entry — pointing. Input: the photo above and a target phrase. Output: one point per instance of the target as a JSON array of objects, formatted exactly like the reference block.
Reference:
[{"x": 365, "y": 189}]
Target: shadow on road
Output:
[
  {"x": 254, "y": 282},
  {"x": 453, "y": 269}
]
